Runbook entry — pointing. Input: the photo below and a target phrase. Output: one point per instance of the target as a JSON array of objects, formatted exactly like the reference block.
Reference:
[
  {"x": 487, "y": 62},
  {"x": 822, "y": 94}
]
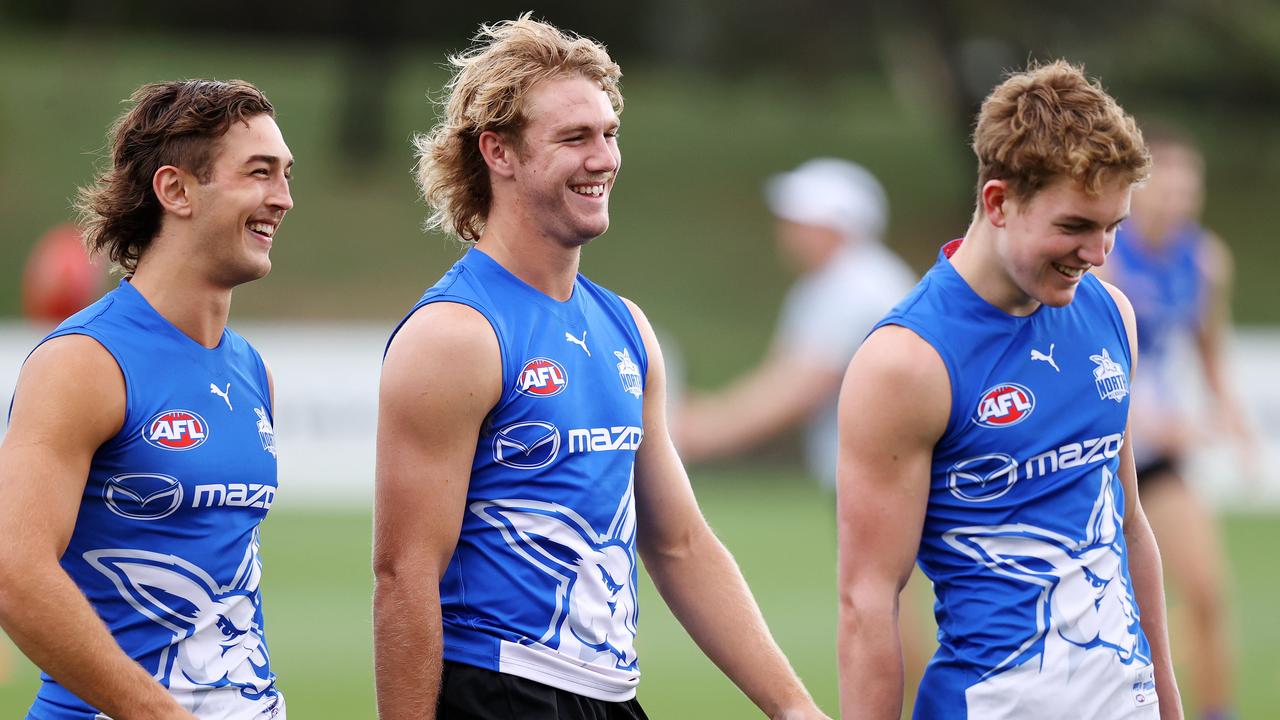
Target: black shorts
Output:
[
  {"x": 1158, "y": 471},
  {"x": 472, "y": 693}
]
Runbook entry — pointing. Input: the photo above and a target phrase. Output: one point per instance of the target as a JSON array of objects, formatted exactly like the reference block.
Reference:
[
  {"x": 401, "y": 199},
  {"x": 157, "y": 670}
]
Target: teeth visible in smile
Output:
[
  {"x": 1068, "y": 271},
  {"x": 589, "y": 190},
  {"x": 263, "y": 228}
]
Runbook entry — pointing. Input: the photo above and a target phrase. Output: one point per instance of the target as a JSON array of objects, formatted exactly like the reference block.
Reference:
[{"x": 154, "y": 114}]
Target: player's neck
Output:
[
  {"x": 978, "y": 262},
  {"x": 539, "y": 261},
  {"x": 183, "y": 296}
]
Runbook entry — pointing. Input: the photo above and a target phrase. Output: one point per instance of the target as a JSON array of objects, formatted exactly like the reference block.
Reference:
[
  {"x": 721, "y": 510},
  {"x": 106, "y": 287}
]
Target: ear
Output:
[
  {"x": 166, "y": 589},
  {"x": 172, "y": 186},
  {"x": 499, "y": 153},
  {"x": 996, "y": 202},
  {"x": 539, "y": 531},
  {"x": 1019, "y": 551}
]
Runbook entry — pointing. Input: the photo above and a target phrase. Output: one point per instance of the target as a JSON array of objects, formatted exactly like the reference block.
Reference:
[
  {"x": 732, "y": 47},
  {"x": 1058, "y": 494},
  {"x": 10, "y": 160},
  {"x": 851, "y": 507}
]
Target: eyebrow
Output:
[
  {"x": 268, "y": 159},
  {"x": 584, "y": 127},
  {"x": 1086, "y": 221}
]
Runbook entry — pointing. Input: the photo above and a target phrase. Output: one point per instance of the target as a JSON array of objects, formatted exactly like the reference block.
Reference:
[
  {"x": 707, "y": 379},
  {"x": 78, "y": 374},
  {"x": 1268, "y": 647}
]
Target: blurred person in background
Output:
[
  {"x": 1177, "y": 274},
  {"x": 523, "y": 452},
  {"x": 140, "y": 457},
  {"x": 983, "y": 430},
  {"x": 830, "y": 220}
]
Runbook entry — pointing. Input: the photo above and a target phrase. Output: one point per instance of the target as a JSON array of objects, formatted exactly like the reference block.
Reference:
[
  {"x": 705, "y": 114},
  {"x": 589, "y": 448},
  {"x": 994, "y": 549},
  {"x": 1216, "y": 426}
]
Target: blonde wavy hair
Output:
[
  {"x": 1051, "y": 120},
  {"x": 487, "y": 93}
]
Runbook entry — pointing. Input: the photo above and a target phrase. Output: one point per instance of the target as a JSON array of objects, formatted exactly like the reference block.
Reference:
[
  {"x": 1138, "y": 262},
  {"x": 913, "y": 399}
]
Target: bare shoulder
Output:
[
  {"x": 448, "y": 348},
  {"x": 1216, "y": 262},
  {"x": 897, "y": 381},
  {"x": 70, "y": 387},
  {"x": 1130, "y": 320}
]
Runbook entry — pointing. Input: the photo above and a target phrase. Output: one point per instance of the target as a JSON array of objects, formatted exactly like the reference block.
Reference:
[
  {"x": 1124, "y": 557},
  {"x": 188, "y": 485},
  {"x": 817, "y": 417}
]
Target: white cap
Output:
[{"x": 832, "y": 193}]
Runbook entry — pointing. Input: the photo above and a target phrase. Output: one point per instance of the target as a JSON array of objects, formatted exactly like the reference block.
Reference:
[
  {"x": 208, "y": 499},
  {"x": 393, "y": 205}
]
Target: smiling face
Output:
[
  {"x": 1050, "y": 240},
  {"x": 567, "y": 159},
  {"x": 237, "y": 212}
]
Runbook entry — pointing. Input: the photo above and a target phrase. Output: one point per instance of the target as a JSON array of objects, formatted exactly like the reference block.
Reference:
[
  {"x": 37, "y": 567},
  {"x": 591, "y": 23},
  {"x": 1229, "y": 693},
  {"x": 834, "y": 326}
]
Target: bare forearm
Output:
[
  {"x": 408, "y": 649},
  {"x": 48, "y": 617},
  {"x": 1148, "y": 587},
  {"x": 706, "y": 592},
  {"x": 870, "y": 661}
]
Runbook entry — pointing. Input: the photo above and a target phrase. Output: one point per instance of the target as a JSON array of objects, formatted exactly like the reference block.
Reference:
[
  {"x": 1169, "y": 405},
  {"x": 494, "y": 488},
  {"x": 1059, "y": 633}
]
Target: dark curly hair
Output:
[{"x": 175, "y": 123}]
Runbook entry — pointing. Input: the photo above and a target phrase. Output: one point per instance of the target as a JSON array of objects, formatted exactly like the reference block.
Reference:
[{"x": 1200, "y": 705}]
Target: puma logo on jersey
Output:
[
  {"x": 542, "y": 377},
  {"x": 224, "y": 394},
  {"x": 1004, "y": 405},
  {"x": 176, "y": 430},
  {"x": 580, "y": 343},
  {"x": 1037, "y": 355}
]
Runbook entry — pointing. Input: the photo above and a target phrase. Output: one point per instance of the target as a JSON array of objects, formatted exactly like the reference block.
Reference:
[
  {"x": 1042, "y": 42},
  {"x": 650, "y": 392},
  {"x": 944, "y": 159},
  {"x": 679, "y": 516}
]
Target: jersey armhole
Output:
[
  {"x": 508, "y": 384},
  {"x": 1117, "y": 320},
  {"x": 954, "y": 415}
]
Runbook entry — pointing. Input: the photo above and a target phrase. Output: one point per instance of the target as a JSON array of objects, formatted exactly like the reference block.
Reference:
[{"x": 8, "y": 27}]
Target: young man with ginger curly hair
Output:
[{"x": 984, "y": 433}]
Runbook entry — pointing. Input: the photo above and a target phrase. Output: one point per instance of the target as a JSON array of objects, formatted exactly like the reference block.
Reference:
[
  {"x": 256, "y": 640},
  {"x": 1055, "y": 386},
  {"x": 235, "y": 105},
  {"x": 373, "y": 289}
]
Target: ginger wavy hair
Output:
[
  {"x": 178, "y": 123},
  {"x": 1049, "y": 121},
  {"x": 487, "y": 93}
]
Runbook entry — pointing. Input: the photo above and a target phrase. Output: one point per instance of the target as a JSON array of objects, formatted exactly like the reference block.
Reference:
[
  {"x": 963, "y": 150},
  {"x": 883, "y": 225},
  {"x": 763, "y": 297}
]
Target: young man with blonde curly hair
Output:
[
  {"x": 140, "y": 457},
  {"x": 523, "y": 452},
  {"x": 983, "y": 431}
]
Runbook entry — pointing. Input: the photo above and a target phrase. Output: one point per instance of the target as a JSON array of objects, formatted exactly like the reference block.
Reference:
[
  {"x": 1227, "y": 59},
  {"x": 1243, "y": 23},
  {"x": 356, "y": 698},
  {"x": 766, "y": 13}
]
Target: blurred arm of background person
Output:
[
  {"x": 885, "y": 459},
  {"x": 441, "y": 376},
  {"x": 70, "y": 399},
  {"x": 694, "y": 572},
  {"x": 1211, "y": 339},
  {"x": 830, "y": 216}
]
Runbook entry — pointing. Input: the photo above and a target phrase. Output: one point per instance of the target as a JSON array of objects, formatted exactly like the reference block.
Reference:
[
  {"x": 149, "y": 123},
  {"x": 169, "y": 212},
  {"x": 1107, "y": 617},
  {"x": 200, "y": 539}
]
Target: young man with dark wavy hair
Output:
[
  {"x": 984, "y": 435},
  {"x": 523, "y": 452},
  {"x": 140, "y": 457}
]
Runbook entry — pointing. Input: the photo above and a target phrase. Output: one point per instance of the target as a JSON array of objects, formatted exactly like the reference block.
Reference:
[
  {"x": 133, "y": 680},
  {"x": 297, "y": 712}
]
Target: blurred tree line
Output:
[{"x": 941, "y": 56}]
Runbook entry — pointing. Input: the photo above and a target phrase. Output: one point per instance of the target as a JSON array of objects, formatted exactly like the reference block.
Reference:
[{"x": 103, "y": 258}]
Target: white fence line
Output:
[{"x": 326, "y": 378}]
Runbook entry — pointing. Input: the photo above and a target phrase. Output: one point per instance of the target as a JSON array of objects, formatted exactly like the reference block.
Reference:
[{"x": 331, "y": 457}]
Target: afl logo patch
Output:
[
  {"x": 1004, "y": 405},
  {"x": 142, "y": 496},
  {"x": 542, "y": 377},
  {"x": 176, "y": 430}
]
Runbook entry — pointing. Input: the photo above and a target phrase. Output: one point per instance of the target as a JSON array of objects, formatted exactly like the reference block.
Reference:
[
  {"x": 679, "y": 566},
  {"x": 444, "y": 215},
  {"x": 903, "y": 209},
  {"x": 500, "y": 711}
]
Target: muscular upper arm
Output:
[
  {"x": 666, "y": 509},
  {"x": 894, "y": 407},
  {"x": 69, "y": 400},
  {"x": 441, "y": 377}
]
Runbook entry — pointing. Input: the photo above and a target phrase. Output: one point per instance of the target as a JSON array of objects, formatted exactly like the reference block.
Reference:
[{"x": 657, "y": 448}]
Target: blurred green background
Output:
[{"x": 719, "y": 96}]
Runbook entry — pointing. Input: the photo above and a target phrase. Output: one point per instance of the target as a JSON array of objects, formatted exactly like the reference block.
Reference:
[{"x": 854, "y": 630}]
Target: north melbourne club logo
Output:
[
  {"x": 266, "y": 433},
  {"x": 176, "y": 430},
  {"x": 1109, "y": 377},
  {"x": 1004, "y": 405},
  {"x": 629, "y": 372},
  {"x": 542, "y": 377}
]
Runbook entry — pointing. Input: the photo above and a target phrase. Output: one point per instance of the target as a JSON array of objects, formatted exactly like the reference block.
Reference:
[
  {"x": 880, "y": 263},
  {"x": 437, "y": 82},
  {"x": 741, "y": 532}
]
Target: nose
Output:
[
  {"x": 605, "y": 157},
  {"x": 1097, "y": 246},
  {"x": 280, "y": 196}
]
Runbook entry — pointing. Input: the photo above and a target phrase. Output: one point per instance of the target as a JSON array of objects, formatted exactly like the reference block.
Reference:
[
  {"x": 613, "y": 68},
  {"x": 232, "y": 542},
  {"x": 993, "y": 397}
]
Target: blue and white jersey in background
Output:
[
  {"x": 1168, "y": 289},
  {"x": 1023, "y": 535},
  {"x": 542, "y": 584},
  {"x": 165, "y": 545}
]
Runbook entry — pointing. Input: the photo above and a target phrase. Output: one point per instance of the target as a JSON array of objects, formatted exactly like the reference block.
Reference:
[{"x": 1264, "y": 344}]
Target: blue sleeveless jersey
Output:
[
  {"x": 1023, "y": 535},
  {"x": 542, "y": 584},
  {"x": 165, "y": 545}
]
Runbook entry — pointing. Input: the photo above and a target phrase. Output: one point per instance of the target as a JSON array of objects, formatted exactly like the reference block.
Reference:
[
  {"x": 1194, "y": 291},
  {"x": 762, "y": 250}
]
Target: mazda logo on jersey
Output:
[
  {"x": 542, "y": 377},
  {"x": 176, "y": 430},
  {"x": 982, "y": 478},
  {"x": 526, "y": 445},
  {"x": 1004, "y": 405},
  {"x": 142, "y": 496}
]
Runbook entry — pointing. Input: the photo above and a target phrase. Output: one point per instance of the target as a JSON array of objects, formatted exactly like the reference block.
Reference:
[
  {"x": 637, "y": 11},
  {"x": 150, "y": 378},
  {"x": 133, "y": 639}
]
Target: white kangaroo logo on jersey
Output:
[
  {"x": 1085, "y": 606},
  {"x": 580, "y": 343},
  {"x": 224, "y": 394},
  {"x": 595, "y": 604},
  {"x": 1037, "y": 355},
  {"x": 216, "y": 642}
]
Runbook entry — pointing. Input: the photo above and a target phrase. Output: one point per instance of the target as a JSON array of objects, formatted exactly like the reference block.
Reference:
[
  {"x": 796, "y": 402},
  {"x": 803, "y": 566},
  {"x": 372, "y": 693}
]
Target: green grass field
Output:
[{"x": 318, "y": 585}]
